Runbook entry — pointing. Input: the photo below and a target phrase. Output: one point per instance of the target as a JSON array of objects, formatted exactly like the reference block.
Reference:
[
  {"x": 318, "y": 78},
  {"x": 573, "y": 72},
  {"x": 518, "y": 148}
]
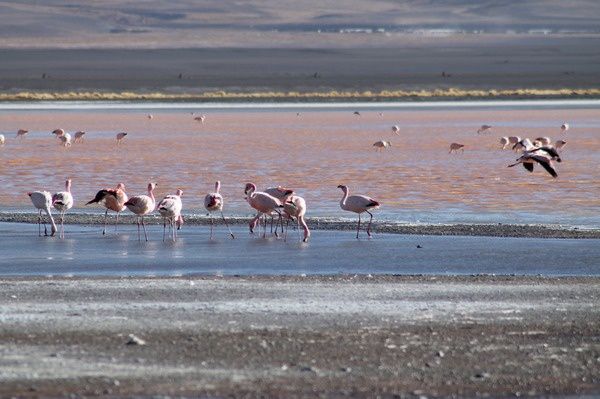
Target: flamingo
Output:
[
  {"x": 42, "y": 200},
  {"x": 65, "y": 140},
  {"x": 113, "y": 199},
  {"x": 356, "y": 113},
  {"x": 2, "y": 139},
  {"x": 21, "y": 133},
  {"x": 200, "y": 118},
  {"x": 564, "y": 127},
  {"x": 484, "y": 129},
  {"x": 120, "y": 137},
  {"x": 543, "y": 141},
  {"x": 170, "y": 209},
  {"x": 396, "y": 129},
  {"x": 142, "y": 205},
  {"x": 62, "y": 202},
  {"x": 150, "y": 116},
  {"x": 454, "y": 147},
  {"x": 264, "y": 203},
  {"x": 358, "y": 204},
  {"x": 58, "y": 133},
  {"x": 79, "y": 137},
  {"x": 560, "y": 144},
  {"x": 513, "y": 140},
  {"x": 277, "y": 192},
  {"x": 295, "y": 207},
  {"x": 544, "y": 156},
  {"x": 381, "y": 144},
  {"x": 214, "y": 202}
]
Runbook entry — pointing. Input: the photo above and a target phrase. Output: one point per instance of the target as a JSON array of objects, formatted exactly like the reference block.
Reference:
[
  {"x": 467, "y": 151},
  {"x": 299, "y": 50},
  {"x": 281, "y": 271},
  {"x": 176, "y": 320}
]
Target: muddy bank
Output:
[{"x": 343, "y": 336}]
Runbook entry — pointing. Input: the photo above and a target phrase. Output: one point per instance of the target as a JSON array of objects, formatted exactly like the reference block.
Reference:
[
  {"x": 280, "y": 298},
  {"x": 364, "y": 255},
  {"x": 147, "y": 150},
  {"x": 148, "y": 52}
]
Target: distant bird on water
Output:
[
  {"x": 58, "y": 133},
  {"x": 541, "y": 141},
  {"x": 484, "y": 129},
  {"x": 264, "y": 203},
  {"x": 560, "y": 144},
  {"x": 21, "y": 133},
  {"x": 170, "y": 209},
  {"x": 78, "y": 137},
  {"x": 142, "y": 205},
  {"x": 120, "y": 137},
  {"x": 381, "y": 144},
  {"x": 356, "y": 113},
  {"x": 396, "y": 129},
  {"x": 113, "y": 199},
  {"x": 2, "y": 139},
  {"x": 42, "y": 200},
  {"x": 62, "y": 202},
  {"x": 564, "y": 127},
  {"x": 150, "y": 116},
  {"x": 358, "y": 204},
  {"x": 200, "y": 118},
  {"x": 65, "y": 140},
  {"x": 213, "y": 202},
  {"x": 295, "y": 207},
  {"x": 504, "y": 142},
  {"x": 454, "y": 147},
  {"x": 543, "y": 156}
]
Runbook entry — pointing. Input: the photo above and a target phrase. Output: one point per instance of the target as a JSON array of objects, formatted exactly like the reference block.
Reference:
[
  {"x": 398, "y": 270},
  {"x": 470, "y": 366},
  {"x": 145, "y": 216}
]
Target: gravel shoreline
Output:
[
  {"x": 476, "y": 229},
  {"x": 332, "y": 336}
]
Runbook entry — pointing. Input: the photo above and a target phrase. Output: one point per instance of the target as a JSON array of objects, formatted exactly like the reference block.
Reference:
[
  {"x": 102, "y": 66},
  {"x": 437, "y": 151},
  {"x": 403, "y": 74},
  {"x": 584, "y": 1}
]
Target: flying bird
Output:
[{"x": 544, "y": 156}]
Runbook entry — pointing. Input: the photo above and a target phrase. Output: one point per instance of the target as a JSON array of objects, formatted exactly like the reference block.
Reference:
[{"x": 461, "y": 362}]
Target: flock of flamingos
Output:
[{"x": 274, "y": 201}]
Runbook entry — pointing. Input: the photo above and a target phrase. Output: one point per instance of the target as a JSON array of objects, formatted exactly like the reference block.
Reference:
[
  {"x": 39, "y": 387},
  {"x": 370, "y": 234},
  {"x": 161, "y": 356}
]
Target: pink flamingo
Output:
[
  {"x": 454, "y": 147},
  {"x": 78, "y": 137},
  {"x": 358, "y": 204},
  {"x": 62, "y": 202},
  {"x": 295, "y": 207},
  {"x": 58, "y": 132},
  {"x": 214, "y": 202},
  {"x": 264, "y": 203},
  {"x": 170, "y": 209},
  {"x": 120, "y": 137},
  {"x": 277, "y": 192},
  {"x": 200, "y": 118},
  {"x": 21, "y": 133},
  {"x": 113, "y": 199},
  {"x": 142, "y": 205},
  {"x": 42, "y": 200}
]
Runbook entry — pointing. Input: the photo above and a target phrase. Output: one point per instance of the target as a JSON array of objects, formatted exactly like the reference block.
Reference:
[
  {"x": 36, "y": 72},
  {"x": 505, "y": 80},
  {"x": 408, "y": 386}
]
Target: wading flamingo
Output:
[
  {"x": 454, "y": 147},
  {"x": 42, "y": 200},
  {"x": 504, "y": 142},
  {"x": 142, "y": 205},
  {"x": 200, "y": 118},
  {"x": 65, "y": 140},
  {"x": 21, "y": 133},
  {"x": 358, "y": 204},
  {"x": 381, "y": 144},
  {"x": 170, "y": 209},
  {"x": 564, "y": 127},
  {"x": 264, "y": 204},
  {"x": 396, "y": 129},
  {"x": 295, "y": 207},
  {"x": 120, "y": 137},
  {"x": 62, "y": 202},
  {"x": 213, "y": 202},
  {"x": 277, "y": 192},
  {"x": 484, "y": 129},
  {"x": 78, "y": 138},
  {"x": 113, "y": 199}
]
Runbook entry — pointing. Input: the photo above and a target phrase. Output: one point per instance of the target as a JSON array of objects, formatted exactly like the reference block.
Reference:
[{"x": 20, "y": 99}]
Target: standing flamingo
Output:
[
  {"x": 21, "y": 133},
  {"x": 170, "y": 209},
  {"x": 454, "y": 147},
  {"x": 78, "y": 137},
  {"x": 120, "y": 137},
  {"x": 277, "y": 192},
  {"x": 295, "y": 207},
  {"x": 200, "y": 118},
  {"x": 62, "y": 202},
  {"x": 65, "y": 140},
  {"x": 396, "y": 129},
  {"x": 263, "y": 203},
  {"x": 564, "y": 127},
  {"x": 113, "y": 199},
  {"x": 504, "y": 142},
  {"x": 42, "y": 200},
  {"x": 358, "y": 204},
  {"x": 142, "y": 205},
  {"x": 484, "y": 129},
  {"x": 2, "y": 139},
  {"x": 214, "y": 202},
  {"x": 381, "y": 144}
]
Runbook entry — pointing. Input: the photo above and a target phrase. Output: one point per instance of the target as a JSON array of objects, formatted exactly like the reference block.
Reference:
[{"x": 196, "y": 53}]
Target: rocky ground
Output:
[{"x": 342, "y": 336}]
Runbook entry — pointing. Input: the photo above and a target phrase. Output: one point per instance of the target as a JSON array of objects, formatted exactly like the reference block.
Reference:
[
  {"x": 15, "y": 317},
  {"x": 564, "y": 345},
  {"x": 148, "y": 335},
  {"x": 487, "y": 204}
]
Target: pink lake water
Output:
[{"x": 416, "y": 180}]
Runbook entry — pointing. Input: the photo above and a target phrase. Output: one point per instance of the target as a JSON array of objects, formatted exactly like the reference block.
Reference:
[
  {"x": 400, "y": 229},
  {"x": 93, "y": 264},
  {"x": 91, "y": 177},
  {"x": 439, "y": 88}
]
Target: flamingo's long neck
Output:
[
  {"x": 68, "y": 186},
  {"x": 151, "y": 194},
  {"x": 217, "y": 187},
  {"x": 343, "y": 200}
]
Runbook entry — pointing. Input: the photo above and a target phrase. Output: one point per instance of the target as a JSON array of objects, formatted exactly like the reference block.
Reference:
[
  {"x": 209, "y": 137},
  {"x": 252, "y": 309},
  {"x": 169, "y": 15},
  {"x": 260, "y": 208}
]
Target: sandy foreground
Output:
[{"x": 357, "y": 336}]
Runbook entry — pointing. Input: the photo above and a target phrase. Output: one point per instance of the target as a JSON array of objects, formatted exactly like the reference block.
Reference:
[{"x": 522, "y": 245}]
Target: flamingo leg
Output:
[
  {"x": 137, "y": 219},
  {"x": 369, "y": 226},
  {"x": 44, "y": 221},
  {"x": 62, "y": 225},
  {"x": 105, "y": 217},
  {"x": 40, "y": 223},
  {"x": 265, "y": 229},
  {"x": 144, "y": 227},
  {"x": 358, "y": 228},
  {"x": 227, "y": 224},
  {"x": 272, "y": 226},
  {"x": 117, "y": 221},
  {"x": 164, "y": 228},
  {"x": 211, "y": 226},
  {"x": 287, "y": 224}
]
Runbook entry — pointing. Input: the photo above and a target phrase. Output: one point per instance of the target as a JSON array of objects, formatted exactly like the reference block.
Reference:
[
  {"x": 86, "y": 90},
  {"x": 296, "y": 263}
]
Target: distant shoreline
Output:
[{"x": 296, "y": 96}]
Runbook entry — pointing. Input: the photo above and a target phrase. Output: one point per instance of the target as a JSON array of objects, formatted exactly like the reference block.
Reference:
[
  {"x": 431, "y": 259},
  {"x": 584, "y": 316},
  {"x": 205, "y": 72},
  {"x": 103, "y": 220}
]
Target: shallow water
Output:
[
  {"x": 86, "y": 252},
  {"x": 416, "y": 180}
]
